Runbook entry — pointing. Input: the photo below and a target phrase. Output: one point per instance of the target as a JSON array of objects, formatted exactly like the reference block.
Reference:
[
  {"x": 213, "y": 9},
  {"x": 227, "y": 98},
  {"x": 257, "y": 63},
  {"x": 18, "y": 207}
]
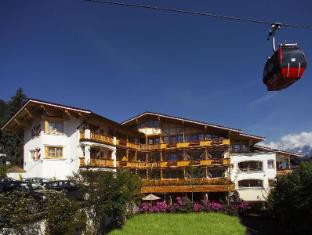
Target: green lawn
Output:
[{"x": 190, "y": 224}]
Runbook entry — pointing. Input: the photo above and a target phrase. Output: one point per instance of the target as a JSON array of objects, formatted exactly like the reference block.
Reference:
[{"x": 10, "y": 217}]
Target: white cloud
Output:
[{"x": 292, "y": 141}]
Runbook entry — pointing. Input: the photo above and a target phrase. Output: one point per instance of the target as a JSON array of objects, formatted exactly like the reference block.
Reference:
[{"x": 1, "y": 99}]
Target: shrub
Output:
[
  {"x": 291, "y": 200},
  {"x": 111, "y": 196},
  {"x": 18, "y": 213},
  {"x": 197, "y": 207},
  {"x": 64, "y": 216}
]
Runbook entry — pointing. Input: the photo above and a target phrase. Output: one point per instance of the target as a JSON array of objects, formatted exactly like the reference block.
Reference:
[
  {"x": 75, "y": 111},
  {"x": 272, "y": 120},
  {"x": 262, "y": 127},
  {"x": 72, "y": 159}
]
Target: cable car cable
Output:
[{"x": 200, "y": 13}]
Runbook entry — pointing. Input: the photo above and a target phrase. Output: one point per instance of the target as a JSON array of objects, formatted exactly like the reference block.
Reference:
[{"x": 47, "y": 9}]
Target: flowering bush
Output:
[
  {"x": 158, "y": 207},
  {"x": 197, "y": 207},
  {"x": 216, "y": 206},
  {"x": 145, "y": 207},
  {"x": 185, "y": 205}
]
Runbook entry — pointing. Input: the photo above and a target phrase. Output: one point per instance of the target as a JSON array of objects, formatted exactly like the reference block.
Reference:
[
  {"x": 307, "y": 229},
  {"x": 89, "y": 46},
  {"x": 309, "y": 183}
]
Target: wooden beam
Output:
[
  {"x": 67, "y": 115},
  {"x": 29, "y": 113},
  {"x": 22, "y": 123},
  {"x": 51, "y": 112}
]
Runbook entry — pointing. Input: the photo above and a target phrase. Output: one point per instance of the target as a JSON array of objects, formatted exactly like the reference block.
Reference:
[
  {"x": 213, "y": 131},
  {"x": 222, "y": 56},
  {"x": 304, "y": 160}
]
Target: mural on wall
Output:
[
  {"x": 36, "y": 155},
  {"x": 35, "y": 131}
]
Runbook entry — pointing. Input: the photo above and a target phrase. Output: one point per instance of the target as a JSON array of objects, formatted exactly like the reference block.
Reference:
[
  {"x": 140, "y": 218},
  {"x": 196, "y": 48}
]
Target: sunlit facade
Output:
[{"x": 172, "y": 155}]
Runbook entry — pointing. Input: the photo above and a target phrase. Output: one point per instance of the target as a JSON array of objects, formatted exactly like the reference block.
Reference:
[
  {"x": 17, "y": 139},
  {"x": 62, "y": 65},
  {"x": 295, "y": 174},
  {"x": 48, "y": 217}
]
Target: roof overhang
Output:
[
  {"x": 234, "y": 131},
  {"x": 34, "y": 109},
  {"x": 37, "y": 109},
  {"x": 278, "y": 151}
]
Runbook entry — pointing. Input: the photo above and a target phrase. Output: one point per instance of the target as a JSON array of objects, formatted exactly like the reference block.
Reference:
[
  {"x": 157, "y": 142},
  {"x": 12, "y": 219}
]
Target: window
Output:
[
  {"x": 216, "y": 173},
  {"x": 195, "y": 137},
  {"x": 150, "y": 124},
  {"x": 244, "y": 148},
  {"x": 250, "y": 166},
  {"x": 271, "y": 164},
  {"x": 54, "y": 127},
  {"x": 236, "y": 148},
  {"x": 216, "y": 154},
  {"x": 54, "y": 152},
  {"x": 250, "y": 183}
]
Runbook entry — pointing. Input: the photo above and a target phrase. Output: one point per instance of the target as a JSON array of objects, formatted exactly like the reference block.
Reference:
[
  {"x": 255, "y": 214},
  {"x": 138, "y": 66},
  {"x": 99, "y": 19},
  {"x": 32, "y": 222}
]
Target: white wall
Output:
[
  {"x": 53, "y": 168},
  {"x": 255, "y": 193}
]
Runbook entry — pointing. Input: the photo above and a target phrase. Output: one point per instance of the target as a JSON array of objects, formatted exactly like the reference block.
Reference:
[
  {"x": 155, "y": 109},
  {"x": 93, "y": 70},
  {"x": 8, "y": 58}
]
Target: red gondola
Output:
[{"x": 285, "y": 66}]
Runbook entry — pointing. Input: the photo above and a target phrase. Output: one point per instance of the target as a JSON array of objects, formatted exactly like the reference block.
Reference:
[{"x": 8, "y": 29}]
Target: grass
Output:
[{"x": 190, "y": 223}]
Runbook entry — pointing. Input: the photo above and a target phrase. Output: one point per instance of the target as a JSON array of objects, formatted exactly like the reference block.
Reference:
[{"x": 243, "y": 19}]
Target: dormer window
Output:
[{"x": 54, "y": 127}]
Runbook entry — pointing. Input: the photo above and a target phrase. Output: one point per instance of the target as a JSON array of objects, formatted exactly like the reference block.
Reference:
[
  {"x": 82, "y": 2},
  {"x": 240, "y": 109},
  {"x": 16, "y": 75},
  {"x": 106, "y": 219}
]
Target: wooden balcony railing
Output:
[
  {"x": 162, "y": 164},
  {"x": 98, "y": 138},
  {"x": 99, "y": 163},
  {"x": 187, "y": 185},
  {"x": 183, "y": 181},
  {"x": 101, "y": 138},
  {"x": 283, "y": 171},
  {"x": 149, "y": 147}
]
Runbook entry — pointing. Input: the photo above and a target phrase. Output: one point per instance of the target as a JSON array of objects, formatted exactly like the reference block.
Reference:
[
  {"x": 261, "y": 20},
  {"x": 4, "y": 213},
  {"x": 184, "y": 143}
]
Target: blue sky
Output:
[{"x": 120, "y": 62}]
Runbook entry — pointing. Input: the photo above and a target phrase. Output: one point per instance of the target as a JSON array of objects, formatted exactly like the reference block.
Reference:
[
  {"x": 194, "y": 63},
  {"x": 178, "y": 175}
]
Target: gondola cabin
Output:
[{"x": 284, "y": 67}]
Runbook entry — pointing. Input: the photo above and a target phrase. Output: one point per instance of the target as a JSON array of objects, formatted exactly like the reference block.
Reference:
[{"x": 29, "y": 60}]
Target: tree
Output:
[
  {"x": 16, "y": 102},
  {"x": 110, "y": 197},
  {"x": 11, "y": 141},
  {"x": 64, "y": 215},
  {"x": 3, "y": 112},
  {"x": 291, "y": 200},
  {"x": 19, "y": 212}
]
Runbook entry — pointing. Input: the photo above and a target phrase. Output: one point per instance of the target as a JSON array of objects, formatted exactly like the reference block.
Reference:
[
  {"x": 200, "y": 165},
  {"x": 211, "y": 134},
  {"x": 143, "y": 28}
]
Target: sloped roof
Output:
[
  {"x": 284, "y": 152},
  {"x": 238, "y": 131},
  {"x": 85, "y": 112}
]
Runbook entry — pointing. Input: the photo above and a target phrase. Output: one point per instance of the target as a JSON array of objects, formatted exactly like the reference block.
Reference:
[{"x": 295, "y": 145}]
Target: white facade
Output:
[
  {"x": 263, "y": 175},
  {"x": 59, "y": 168},
  {"x": 72, "y": 150}
]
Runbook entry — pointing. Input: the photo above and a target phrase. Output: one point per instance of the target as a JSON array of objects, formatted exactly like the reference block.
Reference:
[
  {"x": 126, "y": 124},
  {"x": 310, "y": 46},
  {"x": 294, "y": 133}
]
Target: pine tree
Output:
[
  {"x": 11, "y": 141},
  {"x": 16, "y": 102}
]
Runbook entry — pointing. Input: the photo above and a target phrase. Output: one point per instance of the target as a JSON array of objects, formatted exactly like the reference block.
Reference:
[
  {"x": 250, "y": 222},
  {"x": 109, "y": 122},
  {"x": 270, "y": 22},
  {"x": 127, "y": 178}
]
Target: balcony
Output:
[
  {"x": 149, "y": 165},
  {"x": 187, "y": 185},
  {"x": 281, "y": 172},
  {"x": 97, "y": 138},
  {"x": 99, "y": 163},
  {"x": 101, "y": 138}
]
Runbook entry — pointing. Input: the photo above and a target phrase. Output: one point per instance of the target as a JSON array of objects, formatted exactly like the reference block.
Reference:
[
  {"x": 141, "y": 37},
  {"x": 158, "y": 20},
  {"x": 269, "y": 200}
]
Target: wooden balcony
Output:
[
  {"x": 283, "y": 171},
  {"x": 97, "y": 138},
  {"x": 99, "y": 163},
  {"x": 179, "y": 145},
  {"x": 162, "y": 164},
  {"x": 187, "y": 185},
  {"x": 152, "y": 147}
]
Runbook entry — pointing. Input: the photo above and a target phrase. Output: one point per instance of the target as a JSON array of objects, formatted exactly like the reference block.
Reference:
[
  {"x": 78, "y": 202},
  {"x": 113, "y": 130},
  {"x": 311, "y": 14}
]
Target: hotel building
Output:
[{"x": 172, "y": 155}]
